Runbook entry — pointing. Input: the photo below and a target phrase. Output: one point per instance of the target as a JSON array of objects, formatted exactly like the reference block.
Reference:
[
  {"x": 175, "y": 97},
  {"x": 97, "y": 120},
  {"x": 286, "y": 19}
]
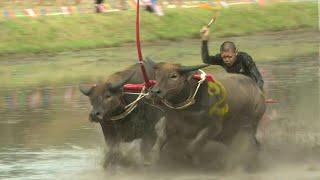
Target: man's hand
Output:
[{"x": 204, "y": 33}]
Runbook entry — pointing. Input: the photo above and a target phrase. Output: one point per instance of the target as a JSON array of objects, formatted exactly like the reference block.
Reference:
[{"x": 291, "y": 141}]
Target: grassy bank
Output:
[{"x": 54, "y": 34}]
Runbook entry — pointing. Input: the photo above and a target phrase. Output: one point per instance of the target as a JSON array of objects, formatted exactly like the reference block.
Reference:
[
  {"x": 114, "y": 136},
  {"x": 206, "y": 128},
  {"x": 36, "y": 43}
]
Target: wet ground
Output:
[{"x": 45, "y": 134}]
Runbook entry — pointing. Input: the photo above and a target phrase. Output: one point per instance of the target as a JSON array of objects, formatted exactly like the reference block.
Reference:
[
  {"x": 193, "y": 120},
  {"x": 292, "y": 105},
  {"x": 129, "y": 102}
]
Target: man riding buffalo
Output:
[{"x": 230, "y": 59}]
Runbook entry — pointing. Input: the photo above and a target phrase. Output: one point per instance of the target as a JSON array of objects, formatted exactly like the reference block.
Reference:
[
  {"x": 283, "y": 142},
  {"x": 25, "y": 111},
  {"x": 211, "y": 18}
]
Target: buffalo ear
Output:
[
  {"x": 158, "y": 65},
  {"x": 149, "y": 59},
  {"x": 85, "y": 90},
  {"x": 155, "y": 67}
]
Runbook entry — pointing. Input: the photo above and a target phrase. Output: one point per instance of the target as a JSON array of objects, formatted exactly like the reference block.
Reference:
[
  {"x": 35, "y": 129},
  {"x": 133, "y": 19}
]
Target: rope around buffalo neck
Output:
[
  {"x": 191, "y": 99},
  {"x": 130, "y": 107}
]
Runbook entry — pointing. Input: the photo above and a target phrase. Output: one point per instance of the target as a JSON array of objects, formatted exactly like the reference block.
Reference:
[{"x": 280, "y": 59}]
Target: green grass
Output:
[{"x": 76, "y": 32}]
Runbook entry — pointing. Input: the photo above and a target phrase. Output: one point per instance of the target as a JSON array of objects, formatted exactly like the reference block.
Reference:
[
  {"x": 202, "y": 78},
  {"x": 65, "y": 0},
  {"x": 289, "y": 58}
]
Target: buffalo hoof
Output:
[
  {"x": 154, "y": 156},
  {"x": 193, "y": 159},
  {"x": 111, "y": 161},
  {"x": 190, "y": 149}
]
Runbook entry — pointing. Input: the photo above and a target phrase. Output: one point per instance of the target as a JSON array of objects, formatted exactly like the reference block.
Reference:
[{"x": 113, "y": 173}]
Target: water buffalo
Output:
[
  {"x": 108, "y": 102},
  {"x": 219, "y": 110}
]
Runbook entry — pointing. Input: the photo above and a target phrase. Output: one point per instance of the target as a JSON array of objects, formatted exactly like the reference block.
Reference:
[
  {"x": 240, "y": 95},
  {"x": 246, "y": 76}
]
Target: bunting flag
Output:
[
  {"x": 2, "y": 103},
  {"x": 107, "y": 6},
  {"x": 43, "y": 11},
  {"x": 12, "y": 14},
  {"x": 224, "y": 4},
  {"x": 168, "y": 4},
  {"x": 132, "y": 4},
  {"x": 126, "y": 5},
  {"x": 261, "y": 2},
  {"x": 30, "y": 12},
  {"x": 157, "y": 8},
  {"x": 6, "y": 14},
  {"x": 65, "y": 10},
  {"x": 22, "y": 96},
  {"x": 34, "y": 99},
  {"x": 11, "y": 101},
  {"x": 79, "y": 9},
  {"x": 72, "y": 9},
  {"x": 123, "y": 5},
  {"x": 110, "y": 6}
]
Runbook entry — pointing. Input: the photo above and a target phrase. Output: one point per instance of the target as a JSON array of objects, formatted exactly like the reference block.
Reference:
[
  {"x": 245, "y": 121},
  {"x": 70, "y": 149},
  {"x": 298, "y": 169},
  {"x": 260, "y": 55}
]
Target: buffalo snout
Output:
[
  {"x": 155, "y": 91},
  {"x": 96, "y": 116},
  {"x": 154, "y": 96}
]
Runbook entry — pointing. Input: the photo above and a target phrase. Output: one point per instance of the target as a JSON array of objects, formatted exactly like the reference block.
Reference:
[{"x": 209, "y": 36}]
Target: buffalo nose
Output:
[
  {"x": 155, "y": 90},
  {"x": 95, "y": 114}
]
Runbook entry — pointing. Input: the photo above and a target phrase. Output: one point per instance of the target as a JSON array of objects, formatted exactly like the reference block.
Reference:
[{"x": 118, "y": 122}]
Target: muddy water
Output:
[{"x": 45, "y": 134}]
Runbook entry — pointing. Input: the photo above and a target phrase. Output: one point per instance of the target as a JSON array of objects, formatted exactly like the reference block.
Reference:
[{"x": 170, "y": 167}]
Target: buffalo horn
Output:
[
  {"x": 184, "y": 69},
  {"x": 85, "y": 90},
  {"x": 119, "y": 84}
]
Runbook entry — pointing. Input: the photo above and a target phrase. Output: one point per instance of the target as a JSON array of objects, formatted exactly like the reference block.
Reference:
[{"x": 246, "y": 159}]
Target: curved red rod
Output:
[{"x": 144, "y": 73}]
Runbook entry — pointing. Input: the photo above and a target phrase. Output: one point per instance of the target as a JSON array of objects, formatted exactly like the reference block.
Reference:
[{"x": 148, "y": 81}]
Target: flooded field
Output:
[{"x": 45, "y": 132}]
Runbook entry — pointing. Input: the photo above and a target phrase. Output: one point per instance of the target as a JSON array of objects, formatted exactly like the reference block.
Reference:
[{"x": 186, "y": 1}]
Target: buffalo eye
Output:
[
  {"x": 174, "y": 76},
  {"x": 107, "y": 96}
]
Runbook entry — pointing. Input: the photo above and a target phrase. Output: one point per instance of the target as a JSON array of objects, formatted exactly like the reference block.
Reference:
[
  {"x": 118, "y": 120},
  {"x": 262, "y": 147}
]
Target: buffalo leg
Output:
[
  {"x": 113, "y": 141},
  {"x": 244, "y": 150},
  {"x": 214, "y": 128},
  {"x": 112, "y": 156},
  {"x": 146, "y": 146},
  {"x": 160, "y": 129}
]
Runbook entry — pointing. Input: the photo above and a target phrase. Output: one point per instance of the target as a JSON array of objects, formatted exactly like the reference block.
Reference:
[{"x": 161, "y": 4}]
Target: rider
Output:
[{"x": 230, "y": 59}]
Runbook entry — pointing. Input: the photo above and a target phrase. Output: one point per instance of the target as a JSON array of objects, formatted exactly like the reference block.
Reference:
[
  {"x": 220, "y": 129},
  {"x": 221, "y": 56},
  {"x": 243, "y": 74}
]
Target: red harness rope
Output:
[
  {"x": 138, "y": 87},
  {"x": 209, "y": 77}
]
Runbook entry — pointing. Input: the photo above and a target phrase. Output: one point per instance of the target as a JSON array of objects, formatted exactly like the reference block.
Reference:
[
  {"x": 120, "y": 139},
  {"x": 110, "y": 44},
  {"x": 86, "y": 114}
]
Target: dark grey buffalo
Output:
[
  {"x": 108, "y": 102},
  {"x": 219, "y": 111}
]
